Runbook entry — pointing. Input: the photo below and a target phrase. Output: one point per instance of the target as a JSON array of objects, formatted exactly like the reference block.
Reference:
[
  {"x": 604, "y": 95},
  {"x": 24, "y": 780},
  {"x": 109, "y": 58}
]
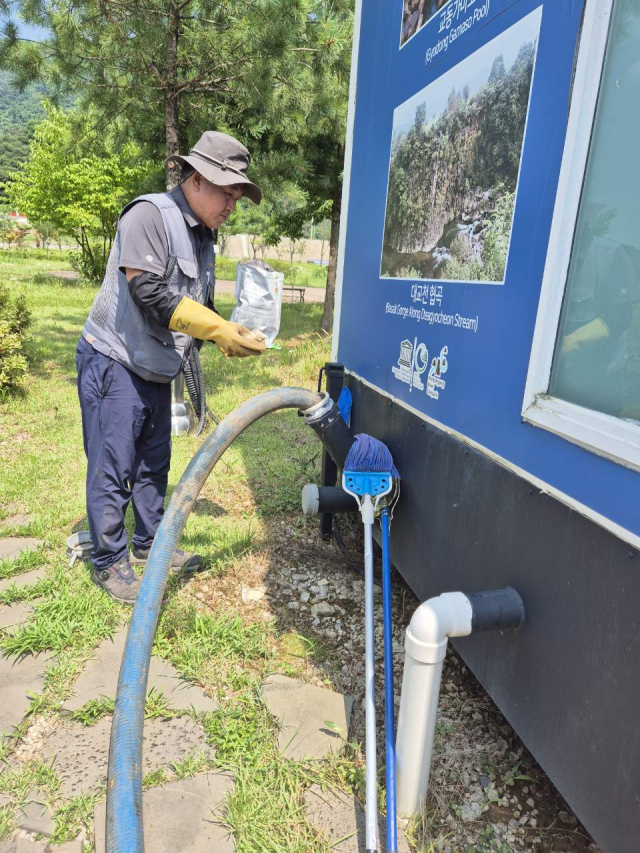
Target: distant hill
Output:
[{"x": 19, "y": 113}]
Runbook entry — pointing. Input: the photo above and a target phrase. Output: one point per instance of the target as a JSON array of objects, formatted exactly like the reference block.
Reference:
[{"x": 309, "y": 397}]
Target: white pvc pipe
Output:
[
  {"x": 371, "y": 804},
  {"x": 448, "y": 615}
]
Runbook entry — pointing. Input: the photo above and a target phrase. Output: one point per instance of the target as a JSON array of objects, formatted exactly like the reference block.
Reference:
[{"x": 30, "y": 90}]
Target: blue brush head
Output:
[{"x": 369, "y": 454}]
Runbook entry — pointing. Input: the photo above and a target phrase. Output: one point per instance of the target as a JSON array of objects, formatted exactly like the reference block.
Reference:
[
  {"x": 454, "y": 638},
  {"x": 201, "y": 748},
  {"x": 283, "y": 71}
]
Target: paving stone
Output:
[
  {"x": 100, "y": 678},
  {"x": 81, "y": 753},
  {"x": 26, "y": 579},
  {"x": 34, "y": 816},
  {"x": 304, "y": 710},
  {"x": 18, "y": 677},
  {"x": 340, "y": 816},
  {"x": 19, "y": 520},
  {"x": 182, "y": 815},
  {"x": 75, "y": 846},
  {"x": 12, "y": 616},
  {"x": 22, "y": 845},
  {"x": 12, "y": 546}
]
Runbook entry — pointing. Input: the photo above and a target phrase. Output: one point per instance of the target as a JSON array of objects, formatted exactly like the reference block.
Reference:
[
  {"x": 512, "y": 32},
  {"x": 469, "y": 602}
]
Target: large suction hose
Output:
[{"x": 124, "y": 788}]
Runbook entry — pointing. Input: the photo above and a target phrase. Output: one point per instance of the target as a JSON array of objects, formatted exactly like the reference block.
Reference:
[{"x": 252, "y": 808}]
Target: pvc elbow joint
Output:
[
  {"x": 447, "y": 615},
  {"x": 454, "y": 614}
]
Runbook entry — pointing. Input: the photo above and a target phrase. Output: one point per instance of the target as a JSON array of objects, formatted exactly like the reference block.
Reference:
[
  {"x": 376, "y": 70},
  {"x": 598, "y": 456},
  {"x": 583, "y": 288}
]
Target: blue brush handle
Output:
[{"x": 392, "y": 827}]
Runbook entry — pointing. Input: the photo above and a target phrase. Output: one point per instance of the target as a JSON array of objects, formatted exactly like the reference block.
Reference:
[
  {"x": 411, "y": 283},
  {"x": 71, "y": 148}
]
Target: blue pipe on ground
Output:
[{"x": 124, "y": 786}]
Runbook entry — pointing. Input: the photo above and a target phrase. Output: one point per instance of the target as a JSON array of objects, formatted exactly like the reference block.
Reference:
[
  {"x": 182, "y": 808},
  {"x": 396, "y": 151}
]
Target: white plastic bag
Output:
[{"x": 259, "y": 298}]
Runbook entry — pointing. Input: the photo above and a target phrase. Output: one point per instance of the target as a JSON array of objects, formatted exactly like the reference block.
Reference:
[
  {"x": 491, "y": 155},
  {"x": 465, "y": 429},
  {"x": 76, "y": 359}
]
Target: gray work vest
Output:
[{"x": 117, "y": 328}]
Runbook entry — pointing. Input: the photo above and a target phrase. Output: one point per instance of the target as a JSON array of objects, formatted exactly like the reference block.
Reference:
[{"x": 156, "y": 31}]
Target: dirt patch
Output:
[{"x": 487, "y": 791}]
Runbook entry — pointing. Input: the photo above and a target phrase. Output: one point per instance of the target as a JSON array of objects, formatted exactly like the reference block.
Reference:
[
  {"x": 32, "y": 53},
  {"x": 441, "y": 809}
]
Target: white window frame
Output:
[{"x": 617, "y": 439}]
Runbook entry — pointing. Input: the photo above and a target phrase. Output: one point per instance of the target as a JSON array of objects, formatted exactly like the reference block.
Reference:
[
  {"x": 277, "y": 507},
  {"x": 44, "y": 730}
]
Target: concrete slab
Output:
[
  {"x": 22, "y": 845},
  {"x": 341, "y": 819},
  {"x": 35, "y": 817},
  {"x": 21, "y": 519},
  {"x": 12, "y": 546},
  {"x": 80, "y": 753},
  {"x": 304, "y": 710},
  {"x": 182, "y": 816},
  {"x": 12, "y": 616},
  {"x": 18, "y": 678},
  {"x": 26, "y": 579},
  {"x": 100, "y": 678},
  {"x": 75, "y": 846}
]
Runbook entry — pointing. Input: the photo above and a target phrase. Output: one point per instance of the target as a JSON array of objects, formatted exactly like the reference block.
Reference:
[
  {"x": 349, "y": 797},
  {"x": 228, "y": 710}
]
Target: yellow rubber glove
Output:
[
  {"x": 192, "y": 318},
  {"x": 591, "y": 333}
]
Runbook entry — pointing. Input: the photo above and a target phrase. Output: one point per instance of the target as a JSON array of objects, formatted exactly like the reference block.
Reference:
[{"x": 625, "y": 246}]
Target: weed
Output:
[
  {"x": 6, "y": 822},
  {"x": 24, "y": 562},
  {"x": 240, "y": 729},
  {"x": 293, "y": 644},
  {"x": 75, "y": 815},
  {"x": 157, "y": 706},
  {"x": 514, "y": 776},
  {"x": 93, "y": 710},
  {"x": 14, "y": 592},
  {"x": 191, "y": 640},
  {"x": 17, "y": 783},
  {"x": 155, "y": 778},
  {"x": 191, "y": 765},
  {"x": 75, "y": 617}
]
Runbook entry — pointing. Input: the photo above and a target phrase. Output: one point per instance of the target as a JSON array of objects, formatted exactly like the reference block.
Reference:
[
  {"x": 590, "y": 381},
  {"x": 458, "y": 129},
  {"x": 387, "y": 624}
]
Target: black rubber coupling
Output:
[
  {"x": 317, "y": 500},
  {"x": 496, "y": 609},
  {"x": 325, "y": 420}
]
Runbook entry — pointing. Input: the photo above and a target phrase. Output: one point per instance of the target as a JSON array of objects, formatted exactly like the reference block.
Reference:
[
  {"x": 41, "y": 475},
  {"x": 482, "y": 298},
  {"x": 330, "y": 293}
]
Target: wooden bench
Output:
[{"x": 290, "y": 290}]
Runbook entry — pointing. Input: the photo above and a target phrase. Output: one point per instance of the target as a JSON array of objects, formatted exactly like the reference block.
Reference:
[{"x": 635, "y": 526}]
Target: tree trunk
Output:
[
  {"x": 172, "y": 170},
  {"x": 327, "y": 315}
]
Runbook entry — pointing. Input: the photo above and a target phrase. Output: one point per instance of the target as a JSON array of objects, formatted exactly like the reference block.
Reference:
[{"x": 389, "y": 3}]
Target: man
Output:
[{"x": 157, "y": 295}]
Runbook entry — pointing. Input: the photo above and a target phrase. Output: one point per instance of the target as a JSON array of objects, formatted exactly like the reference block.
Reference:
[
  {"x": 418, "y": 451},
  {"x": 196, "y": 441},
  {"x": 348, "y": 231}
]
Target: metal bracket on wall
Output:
[{"x": 334, "y": 379}]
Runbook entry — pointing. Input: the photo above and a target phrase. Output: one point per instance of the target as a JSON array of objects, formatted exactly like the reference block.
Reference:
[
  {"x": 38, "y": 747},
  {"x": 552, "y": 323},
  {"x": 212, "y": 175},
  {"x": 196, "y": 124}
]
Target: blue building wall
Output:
[{"x": 487, "y": 361}]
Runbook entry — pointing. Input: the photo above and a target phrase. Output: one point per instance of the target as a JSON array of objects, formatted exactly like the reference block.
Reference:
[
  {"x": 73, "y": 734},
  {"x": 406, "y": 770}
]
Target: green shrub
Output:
[
  {"x": 90, "y": 266},
  {"x": 31, "y": 254},
  {"x": 14, "y": 323}
]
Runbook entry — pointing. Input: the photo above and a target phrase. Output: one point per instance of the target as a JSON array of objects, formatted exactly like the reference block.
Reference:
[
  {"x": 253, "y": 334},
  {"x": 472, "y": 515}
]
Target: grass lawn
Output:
[
  {"x": 248, "y": 526},
  {"x": 254, "y": 490}
]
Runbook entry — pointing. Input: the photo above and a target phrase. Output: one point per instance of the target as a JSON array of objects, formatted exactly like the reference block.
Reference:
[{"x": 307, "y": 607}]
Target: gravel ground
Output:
[{"x": 487, "y": 793}]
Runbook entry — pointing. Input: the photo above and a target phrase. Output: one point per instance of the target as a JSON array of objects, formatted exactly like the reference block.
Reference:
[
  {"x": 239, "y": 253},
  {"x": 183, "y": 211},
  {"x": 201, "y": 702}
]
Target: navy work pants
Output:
[{"x": 126, "y": 427}]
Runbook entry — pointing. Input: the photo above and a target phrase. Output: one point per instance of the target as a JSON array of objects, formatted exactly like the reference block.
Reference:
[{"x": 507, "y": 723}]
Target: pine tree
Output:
[
  {"x": 315, "y": 153},
  {"x": 274, "y": 73},
  {"x": 153, "y": 68}
]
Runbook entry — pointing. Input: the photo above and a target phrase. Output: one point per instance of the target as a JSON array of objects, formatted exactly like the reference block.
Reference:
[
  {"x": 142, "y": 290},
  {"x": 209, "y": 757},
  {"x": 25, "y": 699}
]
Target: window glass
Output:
[{"x": 597, "y": 358}]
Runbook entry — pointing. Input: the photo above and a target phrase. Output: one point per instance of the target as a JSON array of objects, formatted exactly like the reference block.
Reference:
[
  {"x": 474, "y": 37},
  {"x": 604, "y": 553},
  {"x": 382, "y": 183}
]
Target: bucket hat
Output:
[{"x": 222, "y": 160}]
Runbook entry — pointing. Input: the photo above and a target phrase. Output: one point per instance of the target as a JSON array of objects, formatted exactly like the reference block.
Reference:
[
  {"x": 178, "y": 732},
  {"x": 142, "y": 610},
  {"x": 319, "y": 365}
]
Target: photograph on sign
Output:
[
  {"x": 456, "y": 148},
  {"x": 416, "y": 13}
]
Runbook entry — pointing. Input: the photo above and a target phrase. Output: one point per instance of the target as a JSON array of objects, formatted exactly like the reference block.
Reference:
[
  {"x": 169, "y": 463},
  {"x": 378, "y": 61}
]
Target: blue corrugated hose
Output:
[
  {"x": 124, "y": 787},
  {"x": 392, "y": 828}
]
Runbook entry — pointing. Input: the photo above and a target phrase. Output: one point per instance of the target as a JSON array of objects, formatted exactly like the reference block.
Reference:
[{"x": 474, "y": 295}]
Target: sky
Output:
[
  {"x": 472, "y": 72},
  {"x": 28, "y": 31}
]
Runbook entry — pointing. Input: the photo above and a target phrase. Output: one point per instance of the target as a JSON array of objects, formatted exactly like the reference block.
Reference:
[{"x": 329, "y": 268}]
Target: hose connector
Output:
[
  {"x": 320, "y": 499},
  {"x": 325, "y": 420}
]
